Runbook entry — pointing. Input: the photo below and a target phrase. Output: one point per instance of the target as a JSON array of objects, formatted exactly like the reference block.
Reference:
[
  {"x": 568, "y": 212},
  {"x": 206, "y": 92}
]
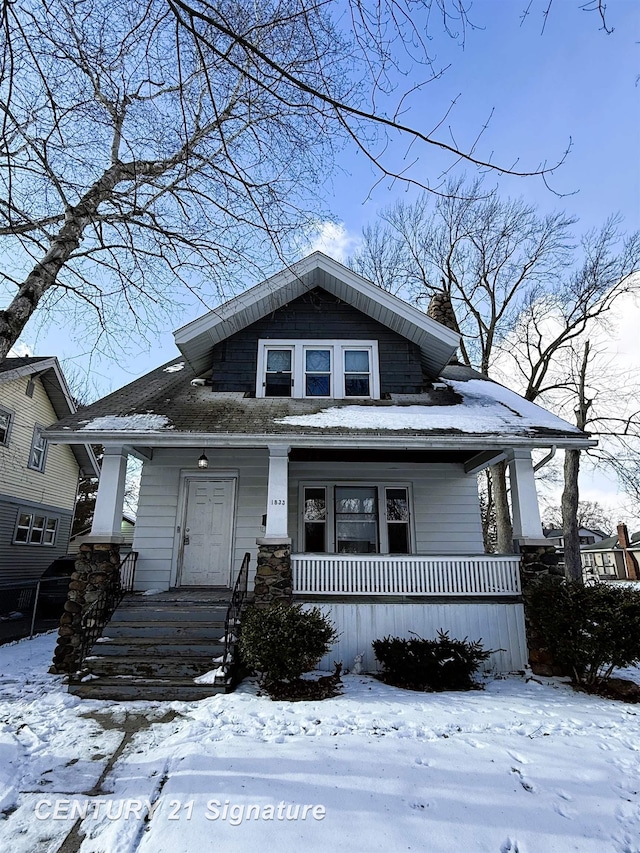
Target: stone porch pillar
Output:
[
  {"x": 527, "y": 526},
  {"x": 273, "y": 580},
  {"x": 97, "y": 569},
  {"x": 97, "y": 574}
]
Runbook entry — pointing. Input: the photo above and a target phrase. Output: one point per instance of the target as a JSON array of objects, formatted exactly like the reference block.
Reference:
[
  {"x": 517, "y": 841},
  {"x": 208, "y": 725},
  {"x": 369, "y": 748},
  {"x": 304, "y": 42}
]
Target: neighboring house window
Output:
[
  {"x": 355, "y": 519},
  {"x": 6, "y": 419},
  {"x": 38, "y": 456},
  {"x": 329, "y": 369},
  {"x": 33, "y": 528}
]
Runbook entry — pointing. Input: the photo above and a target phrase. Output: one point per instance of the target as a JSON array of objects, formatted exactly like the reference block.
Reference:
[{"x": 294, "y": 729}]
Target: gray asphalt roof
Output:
[
  {"x": 13, "y": 362},
  {"x": 196, "y": 409}
]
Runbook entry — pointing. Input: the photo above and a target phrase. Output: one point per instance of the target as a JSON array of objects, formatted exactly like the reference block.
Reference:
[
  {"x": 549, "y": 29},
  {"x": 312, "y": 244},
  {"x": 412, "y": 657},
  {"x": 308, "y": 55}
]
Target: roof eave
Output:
[
  {"x": 359, "y": 439},
  {"x": 196, "y": 339}
]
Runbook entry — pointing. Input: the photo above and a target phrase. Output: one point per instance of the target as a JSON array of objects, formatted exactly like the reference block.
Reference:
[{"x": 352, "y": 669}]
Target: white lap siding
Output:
[
  {"x": 445, "y": 511},
  {"x": 159, "y": 507}
]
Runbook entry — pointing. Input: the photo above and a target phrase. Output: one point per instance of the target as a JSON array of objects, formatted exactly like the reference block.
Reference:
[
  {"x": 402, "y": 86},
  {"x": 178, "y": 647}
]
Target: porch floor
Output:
[{"x": 200, "y": 594}]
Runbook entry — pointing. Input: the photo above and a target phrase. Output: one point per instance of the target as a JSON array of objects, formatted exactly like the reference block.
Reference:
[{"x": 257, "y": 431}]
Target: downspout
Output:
[{"x": 545, "y": 459}]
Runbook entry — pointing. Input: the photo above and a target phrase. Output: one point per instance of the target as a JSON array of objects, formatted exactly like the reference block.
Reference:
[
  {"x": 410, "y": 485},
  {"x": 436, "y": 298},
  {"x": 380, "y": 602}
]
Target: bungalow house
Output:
[
  {"x": 323, "y": 427},
  {"x": 38, "y": 482}
]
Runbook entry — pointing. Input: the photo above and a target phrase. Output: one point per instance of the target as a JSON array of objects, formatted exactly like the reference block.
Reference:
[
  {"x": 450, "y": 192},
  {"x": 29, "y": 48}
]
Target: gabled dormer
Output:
[{"x": 317, "y": 331}]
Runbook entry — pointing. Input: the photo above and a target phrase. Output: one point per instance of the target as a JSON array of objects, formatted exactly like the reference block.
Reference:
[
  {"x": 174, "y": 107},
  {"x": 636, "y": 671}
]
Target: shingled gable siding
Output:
[
  {"x": 316, "y": 316},
  {"x": 446, "y": 514}
]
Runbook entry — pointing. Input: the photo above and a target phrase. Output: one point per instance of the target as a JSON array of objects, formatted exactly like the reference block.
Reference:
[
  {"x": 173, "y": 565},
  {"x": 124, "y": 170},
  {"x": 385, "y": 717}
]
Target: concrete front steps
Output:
[{"x": 154, "y": 647}]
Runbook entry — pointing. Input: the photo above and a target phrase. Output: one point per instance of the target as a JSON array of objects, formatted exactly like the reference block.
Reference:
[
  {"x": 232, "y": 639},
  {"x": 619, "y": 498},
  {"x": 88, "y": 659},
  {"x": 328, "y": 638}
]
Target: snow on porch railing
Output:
[{"x": 375, "y": 574}]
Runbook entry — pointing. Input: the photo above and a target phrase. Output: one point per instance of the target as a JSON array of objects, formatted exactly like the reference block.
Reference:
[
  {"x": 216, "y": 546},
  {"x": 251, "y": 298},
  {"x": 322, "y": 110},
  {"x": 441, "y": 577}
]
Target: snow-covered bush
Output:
[
  {"x": 590, "y": 629},
  {"x": 442, "y": 664},
  {"x": 284, "y": 641}
]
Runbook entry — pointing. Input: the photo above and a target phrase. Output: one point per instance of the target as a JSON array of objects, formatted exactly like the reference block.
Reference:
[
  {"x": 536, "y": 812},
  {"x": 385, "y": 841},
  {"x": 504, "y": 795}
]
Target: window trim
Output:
[
  {"x": 11, "y": 416},
  {"x": 330, "y": 516},
  {"x": 34, "y": 513},
  {"x": 337, "y": 348},
  {"x": 37, "y": 433}
]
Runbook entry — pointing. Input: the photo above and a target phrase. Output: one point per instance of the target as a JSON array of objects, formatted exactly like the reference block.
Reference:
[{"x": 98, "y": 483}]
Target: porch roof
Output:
[{"x": 464, "y": 410}]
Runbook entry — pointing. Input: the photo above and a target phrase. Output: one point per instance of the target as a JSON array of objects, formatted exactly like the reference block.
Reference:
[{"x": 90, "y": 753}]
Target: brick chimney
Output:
[{"x": 630, "y": 562}]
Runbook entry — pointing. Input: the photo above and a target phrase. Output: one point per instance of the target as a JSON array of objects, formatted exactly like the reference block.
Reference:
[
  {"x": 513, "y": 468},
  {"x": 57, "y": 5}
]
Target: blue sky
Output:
[{"x": 570, "y": 82}]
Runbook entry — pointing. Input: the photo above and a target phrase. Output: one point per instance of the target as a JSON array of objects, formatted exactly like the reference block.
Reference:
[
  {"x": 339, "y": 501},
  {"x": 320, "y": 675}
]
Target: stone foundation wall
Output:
[
  {"x": 536, "y": 562},
  {"x": 273, "y": 582},
  {"x": 96, "y": 570}
]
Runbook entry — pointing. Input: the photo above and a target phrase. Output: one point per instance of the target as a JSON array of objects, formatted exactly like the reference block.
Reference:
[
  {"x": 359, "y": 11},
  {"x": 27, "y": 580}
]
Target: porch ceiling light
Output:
[{"x": 203, "y": 462}]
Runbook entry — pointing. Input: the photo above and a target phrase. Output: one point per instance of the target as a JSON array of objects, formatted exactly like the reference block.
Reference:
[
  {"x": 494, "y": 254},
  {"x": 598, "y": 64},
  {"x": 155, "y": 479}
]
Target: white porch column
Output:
[
  {"x": 524, "y": 498},
  {"x": 107, "y": 517},
  {"x": 277, "y": 493}
]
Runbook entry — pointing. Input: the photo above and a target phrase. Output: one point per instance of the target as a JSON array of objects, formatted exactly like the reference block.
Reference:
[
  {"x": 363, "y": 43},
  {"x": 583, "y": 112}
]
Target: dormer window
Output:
[
  {"x": 318, "y": 369},
  {"x": 278, "y": 380}
]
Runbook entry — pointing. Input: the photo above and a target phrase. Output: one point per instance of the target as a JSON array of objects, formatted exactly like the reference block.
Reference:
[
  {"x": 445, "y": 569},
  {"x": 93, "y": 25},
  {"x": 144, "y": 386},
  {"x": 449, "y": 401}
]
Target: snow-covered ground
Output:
[{"x": 520, "y": 766}]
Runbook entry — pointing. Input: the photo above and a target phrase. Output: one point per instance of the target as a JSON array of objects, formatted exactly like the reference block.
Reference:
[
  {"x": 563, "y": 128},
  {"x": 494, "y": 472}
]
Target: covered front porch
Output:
[{"x": 345, "y": 521}]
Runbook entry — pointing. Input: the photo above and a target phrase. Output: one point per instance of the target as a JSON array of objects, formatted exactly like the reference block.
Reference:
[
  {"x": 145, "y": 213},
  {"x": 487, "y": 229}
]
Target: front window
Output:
[
  {"x": 355, "y": 518},
  {"x": 329, "y": 369},
  {"x": 315, "y": 519},
  {"x": 397, "y": 521}
]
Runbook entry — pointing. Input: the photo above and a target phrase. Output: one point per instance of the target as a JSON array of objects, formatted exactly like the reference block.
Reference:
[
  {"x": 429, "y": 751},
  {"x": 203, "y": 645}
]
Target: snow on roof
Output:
[
  {"x": 174, "y": 368},
  {"x": 129, "y": 423},
  {"x": 486, "y": 408}
]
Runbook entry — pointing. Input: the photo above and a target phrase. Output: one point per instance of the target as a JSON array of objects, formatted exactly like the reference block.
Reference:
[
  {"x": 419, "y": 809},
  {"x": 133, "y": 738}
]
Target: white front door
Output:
[{"x": 206, "y": 553}]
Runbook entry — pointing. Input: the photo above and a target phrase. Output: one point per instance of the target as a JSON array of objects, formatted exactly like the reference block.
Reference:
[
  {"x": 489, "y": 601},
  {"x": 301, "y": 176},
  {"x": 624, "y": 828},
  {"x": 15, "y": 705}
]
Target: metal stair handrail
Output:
[
  {"x": 96, "y": 616},
  {"x": 232, "y": 620}
]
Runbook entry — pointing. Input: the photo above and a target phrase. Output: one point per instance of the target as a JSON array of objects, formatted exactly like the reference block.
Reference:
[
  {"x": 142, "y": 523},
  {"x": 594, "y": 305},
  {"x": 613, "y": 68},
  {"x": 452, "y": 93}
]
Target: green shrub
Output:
[
  {"x": 284, "y": 641},
  {"x": 589, "y": 628},
  {"x": 419, "y": 664}
]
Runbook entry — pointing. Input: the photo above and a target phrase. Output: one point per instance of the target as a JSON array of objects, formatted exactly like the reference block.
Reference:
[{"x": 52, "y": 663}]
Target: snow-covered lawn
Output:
[{"x": 525, "y": 767}]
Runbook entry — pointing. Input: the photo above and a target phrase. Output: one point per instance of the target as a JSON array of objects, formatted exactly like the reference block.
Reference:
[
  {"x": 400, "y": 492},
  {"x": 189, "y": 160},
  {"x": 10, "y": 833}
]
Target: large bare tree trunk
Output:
[
  {"x": 570, "y": 494},
  {"x": 572, "y": 562},
  {"x": 504, "y": 528}
]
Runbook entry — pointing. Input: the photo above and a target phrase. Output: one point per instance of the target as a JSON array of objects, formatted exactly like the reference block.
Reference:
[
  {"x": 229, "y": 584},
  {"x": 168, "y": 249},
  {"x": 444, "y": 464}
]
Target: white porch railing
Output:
[{"x": 376, "y": 574}]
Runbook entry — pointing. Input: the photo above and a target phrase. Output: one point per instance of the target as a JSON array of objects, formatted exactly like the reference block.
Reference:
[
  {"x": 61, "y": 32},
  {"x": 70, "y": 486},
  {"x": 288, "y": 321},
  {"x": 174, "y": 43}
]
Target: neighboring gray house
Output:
[
  {"x": 38, "y": 481},
  {"x": 587, "y": 537},
  {"x": 318, "y": 421},
  {"x": 616, "y": 557}
]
